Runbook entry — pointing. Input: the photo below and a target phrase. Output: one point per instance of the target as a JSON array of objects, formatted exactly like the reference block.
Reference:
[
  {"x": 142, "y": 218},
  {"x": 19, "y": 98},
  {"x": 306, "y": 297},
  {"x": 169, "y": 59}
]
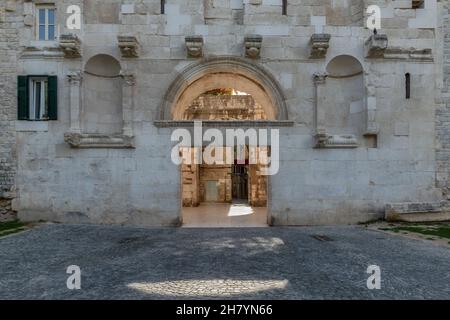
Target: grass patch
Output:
[
  {"x": 442, "y": 231},
  {"x": 10, "y": 227}
]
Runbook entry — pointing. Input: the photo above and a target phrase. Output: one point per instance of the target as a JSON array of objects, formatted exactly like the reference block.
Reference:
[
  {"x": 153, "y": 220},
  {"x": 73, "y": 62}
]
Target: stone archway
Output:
[
  {"x": 224, "y": 72},
  {"x": 208, "y": 188}
]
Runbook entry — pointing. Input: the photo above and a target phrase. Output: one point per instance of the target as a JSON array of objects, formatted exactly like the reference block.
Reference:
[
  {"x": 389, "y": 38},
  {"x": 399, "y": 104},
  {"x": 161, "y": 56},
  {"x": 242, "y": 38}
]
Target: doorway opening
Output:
[
  {"x": 232, "y": 193},
  {"x": 239, "y": 180},
  {"x": 225, "y": 195}
]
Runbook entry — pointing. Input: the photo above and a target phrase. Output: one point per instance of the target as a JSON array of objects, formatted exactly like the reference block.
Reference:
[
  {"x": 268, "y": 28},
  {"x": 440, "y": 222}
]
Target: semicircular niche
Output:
[{"x": 102, "y": 92}]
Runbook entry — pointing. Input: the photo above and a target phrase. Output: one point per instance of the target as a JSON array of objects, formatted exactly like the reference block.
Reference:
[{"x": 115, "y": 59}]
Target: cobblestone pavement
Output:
[{"x": 263, "y": 263}]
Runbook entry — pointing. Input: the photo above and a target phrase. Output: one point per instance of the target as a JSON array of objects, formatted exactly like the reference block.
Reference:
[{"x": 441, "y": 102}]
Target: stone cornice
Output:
[
  {"x": 225, "y": 123},
  {"x": 89, "y": 140}
]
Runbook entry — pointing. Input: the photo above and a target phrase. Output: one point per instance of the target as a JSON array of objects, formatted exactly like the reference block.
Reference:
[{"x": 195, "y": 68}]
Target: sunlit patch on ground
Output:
[
  {"x": 208, "y": 288},
  {"x": 240, "y": 210}
]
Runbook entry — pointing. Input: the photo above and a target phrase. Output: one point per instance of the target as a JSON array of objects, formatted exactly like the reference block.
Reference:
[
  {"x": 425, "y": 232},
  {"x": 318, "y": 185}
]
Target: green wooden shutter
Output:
[
  {"x": 52, "y": 98},
  {"x": 22, "y": 98}
]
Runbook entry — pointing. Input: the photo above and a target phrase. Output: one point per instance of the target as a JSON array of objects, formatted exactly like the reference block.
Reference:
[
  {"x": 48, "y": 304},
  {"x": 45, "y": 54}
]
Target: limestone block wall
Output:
[
  {"x": 224, "y": 12},
  {"x": 190, "y": 180},
  {"x": 220, "y": 174},
  {"x": 10, "y": 23},
  {"x": 344, "y": 105},
  {"x": 443, "y": 111},
  {"x": 142, "y": 186},
  {"x": 258, "y": 187}
]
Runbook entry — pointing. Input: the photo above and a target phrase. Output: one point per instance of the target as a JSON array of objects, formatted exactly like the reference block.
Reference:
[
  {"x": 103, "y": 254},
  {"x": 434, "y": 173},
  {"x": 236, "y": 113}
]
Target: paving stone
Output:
[{"x": 267, "y": 263}]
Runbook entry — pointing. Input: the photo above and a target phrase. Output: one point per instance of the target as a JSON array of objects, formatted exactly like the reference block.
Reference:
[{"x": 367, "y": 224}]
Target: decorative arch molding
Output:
[{"x": 257, "y": 80}]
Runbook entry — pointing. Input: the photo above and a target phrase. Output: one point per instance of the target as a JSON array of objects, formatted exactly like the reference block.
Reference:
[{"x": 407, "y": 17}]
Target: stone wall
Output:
[
  {"x": 443, "y": 112},
  {"x": 219, "y": 174},
  {"x": 10, "y": 22},
  {"x": 141, "y": 186}
]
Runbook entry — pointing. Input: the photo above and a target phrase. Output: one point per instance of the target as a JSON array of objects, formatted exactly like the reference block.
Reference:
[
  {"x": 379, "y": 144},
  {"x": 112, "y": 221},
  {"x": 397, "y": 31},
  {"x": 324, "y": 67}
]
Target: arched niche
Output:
[
  {"x": 343, "y": 99},
  {"x": 223, "y": 72},
  {"x": 102, "y": 96},
  {"x": 344, "y": 66}
]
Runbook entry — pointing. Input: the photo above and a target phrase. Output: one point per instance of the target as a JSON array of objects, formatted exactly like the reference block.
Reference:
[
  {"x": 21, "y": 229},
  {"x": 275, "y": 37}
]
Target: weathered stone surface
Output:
[
  {"x": 376, "y": 45},
  {"x": 313, "y": 186},
  {"x": 417, "y": 212},
  {"x": 253, "y": 46},
  {"x": 78, "y": 140},
  {"x": 129, "y": 46},
  {"x": 324, "y": 140},
  {"x": 194, "y": 46},
  {"x": 319, "y": 45},
  {"x": 70, "y": 45},
  {"x": 443, "y": 111},
  {"x": 10, "y": 25},
  {"x": 256, "y": 263}
]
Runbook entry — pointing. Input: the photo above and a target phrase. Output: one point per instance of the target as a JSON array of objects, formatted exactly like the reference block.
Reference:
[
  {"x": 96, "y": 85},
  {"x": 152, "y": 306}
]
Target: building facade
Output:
[{"x": 87, "y": 111}]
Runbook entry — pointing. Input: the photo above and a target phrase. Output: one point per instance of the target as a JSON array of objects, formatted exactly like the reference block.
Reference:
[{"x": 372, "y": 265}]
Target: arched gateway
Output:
[
  {"x": 224, "y": 72},
  {"x": 224, "y": 89}
]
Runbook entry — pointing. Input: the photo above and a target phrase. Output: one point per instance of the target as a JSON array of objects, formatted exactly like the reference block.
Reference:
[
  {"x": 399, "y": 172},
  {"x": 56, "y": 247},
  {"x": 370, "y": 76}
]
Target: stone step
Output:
[
  {"x": 417, "y": 212},
  {"x": 423, "y": 217}
]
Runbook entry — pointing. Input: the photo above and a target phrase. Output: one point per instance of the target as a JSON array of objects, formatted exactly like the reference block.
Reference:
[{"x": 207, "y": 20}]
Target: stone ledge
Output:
[
  {"x": 35, "y": 52},
  {"x": 329, "y": 141},
  {"x": 224, "y": 123},
  {"x": 31, "y": 126},
  {"x": 376, "y": 45},
  {"x": 425, "y": 55},
  {"x": 89, "y": 140},
  {"x": 416, "y": 212}
]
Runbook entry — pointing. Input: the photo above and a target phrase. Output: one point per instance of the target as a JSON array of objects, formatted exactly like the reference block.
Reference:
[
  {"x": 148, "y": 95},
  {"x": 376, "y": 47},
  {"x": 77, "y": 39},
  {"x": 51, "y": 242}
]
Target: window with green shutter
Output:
[
  {"x": 37, "y": 98},
  {"x": 22, "y": 98},
  {"x": 52, "y": 98}
]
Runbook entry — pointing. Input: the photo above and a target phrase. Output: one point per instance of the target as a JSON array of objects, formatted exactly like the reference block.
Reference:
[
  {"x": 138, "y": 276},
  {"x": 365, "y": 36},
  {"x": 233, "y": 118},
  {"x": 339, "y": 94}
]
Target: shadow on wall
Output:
[
  {"x": 344, "y": 96},
  {"x": 102, "y": 93}
]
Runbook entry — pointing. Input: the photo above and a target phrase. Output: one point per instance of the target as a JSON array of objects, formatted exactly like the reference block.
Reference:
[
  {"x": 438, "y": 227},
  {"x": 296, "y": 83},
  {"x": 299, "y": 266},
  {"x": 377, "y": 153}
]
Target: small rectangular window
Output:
[
  {"x": 408, "y": 85},
  {"x": 284, "y": 7},
  {"x": 163, "y": 6},
  {"x": 46, "y": 23}
]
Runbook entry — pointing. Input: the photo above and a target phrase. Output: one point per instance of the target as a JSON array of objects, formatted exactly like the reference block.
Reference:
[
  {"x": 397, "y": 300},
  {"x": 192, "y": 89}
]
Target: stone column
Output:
[
  {"x": 128, "y": 87},
  {"x": 75, "y": 79},
  {"x": 372, "y": 127},
  {"x": 319, "y": 113}
]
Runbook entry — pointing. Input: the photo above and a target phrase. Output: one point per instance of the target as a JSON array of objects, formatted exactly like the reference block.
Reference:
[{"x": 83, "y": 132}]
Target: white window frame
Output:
[
  {"x": 43, "y": 98},
  {"x": 46, "y": 22}
]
